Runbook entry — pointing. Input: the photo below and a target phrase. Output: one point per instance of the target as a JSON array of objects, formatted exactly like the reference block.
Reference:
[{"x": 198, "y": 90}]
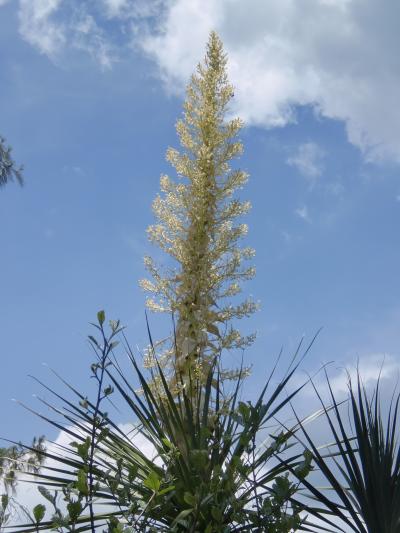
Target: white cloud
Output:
[
  {"x": 308, "y": 159},
  {"x": 52, "y": 26},
  {"x": 115, "y": 8},
  {"x": 302, "y": 212},
  {"x": 339, "y": 56},
  {"x": 3, "y": 2},
  {"x": 370, "y": 367},
  {"x": 88, "y": 36},
  {"x": 132, "y": 9},
  {"x": 38, "y": 28}
]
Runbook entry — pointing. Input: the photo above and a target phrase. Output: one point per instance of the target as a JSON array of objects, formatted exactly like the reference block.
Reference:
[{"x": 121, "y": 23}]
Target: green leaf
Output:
[
  {"x": 132, "y": 472},
  {"x": 81, "y": 483},
  {"x": 199, "y": 458},
  {"x": 82, "y": 449},
  {"x": 152, "y": 482},
  {"x": 166, "y": 490},
  {"x": 74, "y": 510},
  {"x": 216, "y": 513},
  {"x": 304, "y": 467},
  {"x": 167, "y": 443},
  {"x": 183, "y": 514},
  {"x": 4, "y": 501},
  {"x": 48, "y": 495},
  {"x": 93, "y": 340},
  {"x": 101, "y": 316},
  {"x": 189, "y": 499},
  {"x": 244, "y": 410},
  {"x": 38, "y": 512},
  {"x": 281, "y": 488}
]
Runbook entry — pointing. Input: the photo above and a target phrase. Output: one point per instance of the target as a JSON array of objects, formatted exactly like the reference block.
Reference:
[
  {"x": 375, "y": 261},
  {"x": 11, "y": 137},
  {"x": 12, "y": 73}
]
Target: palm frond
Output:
[{"x": 363, "y": 467}]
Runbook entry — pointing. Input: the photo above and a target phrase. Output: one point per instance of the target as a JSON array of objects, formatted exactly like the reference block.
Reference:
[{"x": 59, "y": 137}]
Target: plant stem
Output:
[{"x": 104, "y": 354}]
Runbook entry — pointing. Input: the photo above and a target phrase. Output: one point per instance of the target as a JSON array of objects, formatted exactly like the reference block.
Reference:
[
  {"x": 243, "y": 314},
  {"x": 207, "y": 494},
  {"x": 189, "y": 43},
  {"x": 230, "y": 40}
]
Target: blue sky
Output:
[{"x": 89, "y": 94}]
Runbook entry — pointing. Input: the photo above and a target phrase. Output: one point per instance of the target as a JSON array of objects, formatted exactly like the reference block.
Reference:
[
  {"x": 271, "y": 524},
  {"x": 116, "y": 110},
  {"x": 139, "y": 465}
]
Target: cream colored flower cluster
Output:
[{"x": 196, "y": 225}]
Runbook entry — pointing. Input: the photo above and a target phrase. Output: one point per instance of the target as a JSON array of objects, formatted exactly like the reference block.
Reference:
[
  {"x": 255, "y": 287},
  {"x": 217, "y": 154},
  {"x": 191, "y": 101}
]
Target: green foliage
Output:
[
  {"x": 8, "y": 169},
  {"x": 38, "y": 512},
  {"x": 209, "y": 473}
]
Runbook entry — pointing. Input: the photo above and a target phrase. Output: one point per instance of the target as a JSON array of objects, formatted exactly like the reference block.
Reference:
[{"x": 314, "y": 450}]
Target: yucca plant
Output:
[
  {"x": 208, "y": 473},
  {"x": 362, "y": 466}
]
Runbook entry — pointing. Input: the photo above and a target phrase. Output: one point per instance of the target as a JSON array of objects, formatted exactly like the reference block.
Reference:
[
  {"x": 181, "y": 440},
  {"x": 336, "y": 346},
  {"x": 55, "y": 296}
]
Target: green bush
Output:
[{"x": 209, "y": 473}]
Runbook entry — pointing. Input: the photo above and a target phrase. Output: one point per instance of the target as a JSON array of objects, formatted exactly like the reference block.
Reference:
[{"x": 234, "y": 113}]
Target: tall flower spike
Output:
[{"x": 196, "y": 227}]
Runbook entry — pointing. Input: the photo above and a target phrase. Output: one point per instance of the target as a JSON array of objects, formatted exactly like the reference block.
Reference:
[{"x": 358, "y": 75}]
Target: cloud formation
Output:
[
  {"x": 308, "y": 159},
  {"x": 38, "y": 27},
  {"x": 89, "y": 37},
  {"x": 52, "y": 26},
  {"x": 133, "y": 9},
  {"x": 338, "y": 56},
  {"x": 302, "y": 212},
  {"x": 115, "y": 8},
  {"x": 370, "y": 367}
]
